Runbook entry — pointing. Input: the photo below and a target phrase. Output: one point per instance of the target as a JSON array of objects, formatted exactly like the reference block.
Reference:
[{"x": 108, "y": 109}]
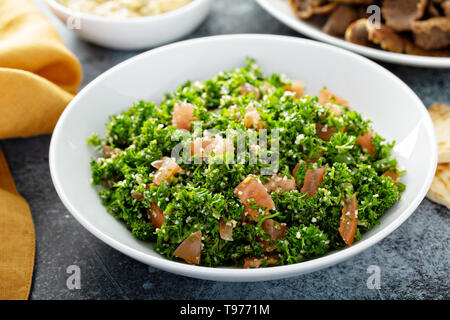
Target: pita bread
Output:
[
  {"x": 440, "y": 188},
  {"x": 440, "y": 114}
]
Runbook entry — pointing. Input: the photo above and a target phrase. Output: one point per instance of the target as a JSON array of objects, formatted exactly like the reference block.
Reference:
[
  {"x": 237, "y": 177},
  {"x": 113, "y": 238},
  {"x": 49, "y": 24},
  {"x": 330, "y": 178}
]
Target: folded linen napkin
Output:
[{"x": 38, "y": 77}]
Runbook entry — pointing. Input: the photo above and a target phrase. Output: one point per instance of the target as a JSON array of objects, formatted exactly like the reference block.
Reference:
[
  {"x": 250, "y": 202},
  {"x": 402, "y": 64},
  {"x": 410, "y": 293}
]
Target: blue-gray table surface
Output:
[{"x": 414, "y": 260}]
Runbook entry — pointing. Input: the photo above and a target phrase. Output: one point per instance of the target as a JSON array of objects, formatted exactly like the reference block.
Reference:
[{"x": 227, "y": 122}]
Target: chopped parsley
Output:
[{"x": 202, "y": 194}]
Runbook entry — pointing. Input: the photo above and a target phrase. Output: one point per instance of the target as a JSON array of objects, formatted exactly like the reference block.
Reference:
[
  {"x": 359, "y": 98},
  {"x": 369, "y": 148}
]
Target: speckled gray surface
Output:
[{"x": 414, "y": 260}]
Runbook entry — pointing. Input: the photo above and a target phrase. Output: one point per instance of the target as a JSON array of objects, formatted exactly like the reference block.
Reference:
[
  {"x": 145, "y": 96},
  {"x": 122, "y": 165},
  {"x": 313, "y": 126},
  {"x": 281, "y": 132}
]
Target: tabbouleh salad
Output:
[{"x": 336, "y": 176}]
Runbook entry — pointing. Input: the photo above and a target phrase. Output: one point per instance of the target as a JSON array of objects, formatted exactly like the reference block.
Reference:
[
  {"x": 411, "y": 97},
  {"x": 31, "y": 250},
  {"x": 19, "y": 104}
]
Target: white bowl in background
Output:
[
  {"x": 281, "y": 10},
  {"x": 397, "y": 114},
  {"x": 133, "y": 33}
]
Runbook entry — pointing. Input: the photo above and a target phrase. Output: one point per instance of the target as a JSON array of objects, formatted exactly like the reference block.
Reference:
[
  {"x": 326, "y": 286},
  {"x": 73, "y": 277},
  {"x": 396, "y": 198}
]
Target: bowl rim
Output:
[
  {"x": 303, "y": 27},
  {"x": 236, "y": 274},
  {"x": 132, "y": 20}
]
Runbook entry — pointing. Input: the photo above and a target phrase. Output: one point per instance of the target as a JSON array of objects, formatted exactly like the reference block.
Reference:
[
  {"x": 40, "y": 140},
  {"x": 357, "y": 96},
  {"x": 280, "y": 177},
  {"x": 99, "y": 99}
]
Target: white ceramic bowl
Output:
[
  {"x": 133, "y": 33},
  {"x": 396, "y": 111},
  {"x": 281, "y": 10}
]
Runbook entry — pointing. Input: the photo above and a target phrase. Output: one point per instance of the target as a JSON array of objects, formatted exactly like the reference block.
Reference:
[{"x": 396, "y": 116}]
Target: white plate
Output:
[
  {"x": 396, "y": 111},
  {"x": 281, "y": 10}
]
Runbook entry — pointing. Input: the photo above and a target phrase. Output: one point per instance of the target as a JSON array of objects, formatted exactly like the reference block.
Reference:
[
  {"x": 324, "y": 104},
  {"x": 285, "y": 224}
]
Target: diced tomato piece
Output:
[
  {"x": 182, "y": 115},
  {"x": 203, "y": 147},
  {"x": 136, "y": 195},
  {"x": 167, "y": 167},
  {"x": 334, "y": 109},
  {"x": 266, "y": 87},
  {"x": 251, "y": 117},
  {"x": 392, "y": 175},
  {"x": 109, "y": 152},
  {"x": 226, "y": 229},
  {"x": 298, "y": 87},
  {"x": 365, "y": 141},
  {"x": 247, "y": 88},
  {"x": 275, "y": 230},
  {"x": 279, "y": 183},
  {"x": 324, "y": 132},
  {"x": 349, "y": 220},
  {"x": 156, "y": 216},
  {"x": 326, "y": 97},
  {"x": 251, "y": 188},
  {"x": 252, "y": 262},
  {"x": 190, "y": 249},
  {"x": 313, "y": 178}
]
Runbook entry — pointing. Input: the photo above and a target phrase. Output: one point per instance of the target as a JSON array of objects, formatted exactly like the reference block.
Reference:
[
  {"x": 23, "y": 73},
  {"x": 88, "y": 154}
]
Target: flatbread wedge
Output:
[
  {"x": 440, "y": 187},
  {"x": 440, "y": 114}
]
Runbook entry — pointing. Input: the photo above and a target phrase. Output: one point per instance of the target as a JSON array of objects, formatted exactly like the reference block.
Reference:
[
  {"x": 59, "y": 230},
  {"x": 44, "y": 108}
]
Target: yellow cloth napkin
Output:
[
  {"x": 38, "y": 77},
  {"x": 16, "y": 239}
]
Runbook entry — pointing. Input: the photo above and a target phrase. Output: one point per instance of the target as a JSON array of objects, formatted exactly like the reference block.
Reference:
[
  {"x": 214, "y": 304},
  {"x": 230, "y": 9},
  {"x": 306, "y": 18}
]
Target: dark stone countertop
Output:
[{"x": 414, "y": 260}]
